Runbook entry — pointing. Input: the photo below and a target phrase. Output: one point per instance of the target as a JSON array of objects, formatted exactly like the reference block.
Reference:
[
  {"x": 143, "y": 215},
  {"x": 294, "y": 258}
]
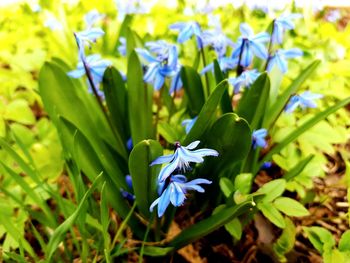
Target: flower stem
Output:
[
  {"x": 269, "y": 50},
  {"x": 206, "y": 75}
]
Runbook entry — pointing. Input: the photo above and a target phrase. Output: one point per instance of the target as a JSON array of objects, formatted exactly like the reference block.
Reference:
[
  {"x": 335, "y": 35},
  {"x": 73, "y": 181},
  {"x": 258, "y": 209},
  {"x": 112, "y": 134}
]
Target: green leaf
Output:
[
  {"x": 286, "y": 240},
  {"x": 234, "y": 228},
  {"x": 303, "y": 128},
  {"x": 144, "y": 176},
  {"x": 290, "y": 207},
  {"x": 59, "y": 233},
  {"x": 230, "y": 135},
  {"x": 272, "y": 189},
  {"x": 168, "y": 132},
  {"x": 225, "y": 103},
  {"x": 19, "y": 111},
  {"x": 297, "y": 169},
  {"x": 209, "y": 224},
  {"x": 272, "y": 214},
  {"x": 64, "y": 97},
  {"x": 243, "y": 183},
  {"x": 132, "y": 41},
  {"x": 344, "y": 242},
  {"x": 276, "y": 109},
  {"x": 116, "y": 99},
  {"x": 226, "y": 186},
  {"x": 157, "y": 251},
  {"x": 140, "y": 102},
  {"x": 257, "y": 95},
  {"x": 194, "y": 89},
  {"x": 206, "y": 114},
  {"x": 320, "y": 238}
]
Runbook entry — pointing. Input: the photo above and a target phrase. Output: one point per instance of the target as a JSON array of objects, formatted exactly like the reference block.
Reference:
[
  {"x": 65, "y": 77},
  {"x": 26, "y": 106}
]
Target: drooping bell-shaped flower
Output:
[
  {"x": 280, "y": 58},
  {"x": 244, "y": 80}
]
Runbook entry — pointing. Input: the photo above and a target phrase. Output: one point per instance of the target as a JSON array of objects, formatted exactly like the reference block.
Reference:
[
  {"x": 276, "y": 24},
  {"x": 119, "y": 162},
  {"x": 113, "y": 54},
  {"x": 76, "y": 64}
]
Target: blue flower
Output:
[
  {"x": 225, "y": 64},
  {"x": 53, "y": 24},
  {"x": 95, "y": 64},
  {"x": 131, "y": 7},
  {"x": 304, "y": 100},
  {"x": 122, "y": 46},
  {"x": 249, "y": 44},
  {"x": 161, "y": 48},
  {"x": 176, "y": 191},
  {"x": 259, "y": 138},
  {"x": 188, "y": 123},
  {"x": 93, "y": 17},
  {"x": 280, "y": 58},
  {"x": 218, "y": 41},
  {"x": 266, "y": 166},
  {"x": 281, "y": 24},
  {"x": 187, "y": 30},
  {"x": 36, "y": 8},
  {"x": 216, "y": 38},
  {"x": 181, "y": 159},
  {"x": 176, "y": 82},
  {"x": 159, "y": 69},
  {"x": 246, "y": 79},
  {"x": 88, "y": 36},
  {"x": 333, "y": 16},
  {"x": 126, "y": 194}
]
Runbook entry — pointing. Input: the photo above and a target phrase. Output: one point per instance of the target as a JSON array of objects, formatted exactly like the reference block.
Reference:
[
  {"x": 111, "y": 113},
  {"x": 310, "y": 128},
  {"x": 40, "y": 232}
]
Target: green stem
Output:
[
  {"x": 206, "y": 75},
  {"x": 145, "y": 238},
  {"x": 270, "y": 45}
]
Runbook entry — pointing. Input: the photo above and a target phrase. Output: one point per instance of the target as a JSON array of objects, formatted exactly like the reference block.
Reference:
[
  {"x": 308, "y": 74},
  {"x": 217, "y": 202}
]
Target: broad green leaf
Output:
[
  {"x": 226, "y": 186},
  {"x": 230, "y": 135},
  {"x": 144, "y": 176},
  {"x": 234, "y": 228},
  {"x": 132, "y": 41},
  {"x": 243, "y": 182},
  {"x": 116, "y": 99},
  {"x": 62, "y": 96},
  {"x": 290, "y": 207},
  {"x": 257, "y": 95},
  {"x": 59, "y": 233},
  {"x": 272, "y": 214},
  {"x": 225, "y": 103},
  {"x": 139, "y": 102},
  {"x": 275, "y": 110},
  {"x": 303, "y": 128},
  {"x": 209, "y": 224},
  {"x": 344, "y": 242},
  {"x": 272, "y": 189},
  {"x": 286, "y": 240},
  {"x": 91, "y": 164},
  {"x": 320, "y": 238},
  {"x": 193, "y": 89},
  {"x": 206, "y": 114},
  {"x": 297, "y": 169},
  {"x": 334, "y": 256}
]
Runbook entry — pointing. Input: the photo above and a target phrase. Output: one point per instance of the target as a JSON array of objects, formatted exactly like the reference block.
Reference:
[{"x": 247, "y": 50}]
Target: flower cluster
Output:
[
  {"x": 173, "y": 187},
  {"x": 164, "y": 64}
]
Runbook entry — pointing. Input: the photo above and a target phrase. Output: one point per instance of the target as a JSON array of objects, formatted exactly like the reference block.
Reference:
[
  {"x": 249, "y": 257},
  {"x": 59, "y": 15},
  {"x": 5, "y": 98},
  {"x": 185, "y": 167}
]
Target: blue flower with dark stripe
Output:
[
  {"x": 280, "y": 58},
  {"x": 246, "y": 79},
  {"x": 175, "y": 192},
  {"x": 281, "y": 24},
  {"x": 187, "y": 30},
  {"x": 249, "y": 44},
  {"x": 95, "y": 64},
  {"x": 181, "y": 159},
  {"x": 304, "y": 100}
]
